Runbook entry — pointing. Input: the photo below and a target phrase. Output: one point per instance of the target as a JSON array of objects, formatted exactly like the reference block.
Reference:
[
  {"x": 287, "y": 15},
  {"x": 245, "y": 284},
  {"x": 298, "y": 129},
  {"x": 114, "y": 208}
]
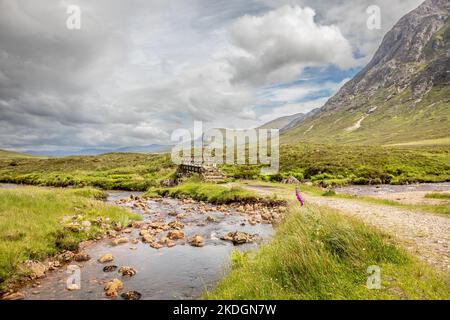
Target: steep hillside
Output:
[
  {"x": 282, "y": 122},
  {"x": 402, "y": 95}
]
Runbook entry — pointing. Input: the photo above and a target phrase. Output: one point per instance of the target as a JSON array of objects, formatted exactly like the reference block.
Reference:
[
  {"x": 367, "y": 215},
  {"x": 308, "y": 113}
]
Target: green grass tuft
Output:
[
  {"x": 319, "y": 254},
  {"x": 30, "y": 225}
]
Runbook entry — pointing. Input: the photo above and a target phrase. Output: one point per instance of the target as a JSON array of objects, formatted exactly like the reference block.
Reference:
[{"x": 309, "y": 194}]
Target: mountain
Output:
[
  {"x": 282, "y": 122},
  {"x": 402, "y": 95},
  {"x": 152, "y": 148}
]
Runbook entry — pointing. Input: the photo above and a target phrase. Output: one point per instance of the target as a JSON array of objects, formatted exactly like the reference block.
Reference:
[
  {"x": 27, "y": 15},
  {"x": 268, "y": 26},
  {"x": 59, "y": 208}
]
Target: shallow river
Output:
[{"x": 180, "y": 272}]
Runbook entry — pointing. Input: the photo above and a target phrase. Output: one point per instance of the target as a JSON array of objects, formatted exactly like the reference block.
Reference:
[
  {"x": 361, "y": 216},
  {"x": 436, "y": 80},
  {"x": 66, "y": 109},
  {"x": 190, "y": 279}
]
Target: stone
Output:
[
  {"x": 175, "y": 234},
  {"x": 147, "y": 238},
  {"x": 131, "y": 295},
  {"x": 106, "y": 258},
  {"x": 197, "y": 241},
  {"x": 127, "y": 271},
  {"x": 239, "y": 237},
  {"x": 113, "y": 287},
  {"x": 291, "y": 180},
  {"x": 109, "y": 268},
  {"x": 118, "y": 241},
  {"x": 73, "y": 287},
  {"x": 176, "y": 225},
  {"x": 81, "y": 256},
  {"x": 14, "y": 296},
  {"x": 37, "y": 269},
  {"x": 155, "y": 245},
  {"x": 210, "y": 219},
  {"x": 66, "y": 256},
  {"x": 137, "y": 224},
  {"x": 86, "y": 224}
]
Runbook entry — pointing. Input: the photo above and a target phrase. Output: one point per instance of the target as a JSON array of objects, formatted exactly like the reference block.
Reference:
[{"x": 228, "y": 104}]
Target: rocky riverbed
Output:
[{"x": 179, "y": 249}]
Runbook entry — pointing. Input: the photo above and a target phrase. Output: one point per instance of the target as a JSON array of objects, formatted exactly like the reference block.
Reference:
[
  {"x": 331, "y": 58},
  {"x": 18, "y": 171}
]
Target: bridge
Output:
[{"x": 206, "y": 168}]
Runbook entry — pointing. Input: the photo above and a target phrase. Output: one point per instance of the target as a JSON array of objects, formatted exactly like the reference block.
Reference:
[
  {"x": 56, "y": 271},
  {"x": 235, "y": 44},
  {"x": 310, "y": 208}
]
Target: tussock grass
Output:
[
  {"x": 438, "y": 195},
  {"x": 319, "y": 254},
  {"x": 211, "y": 193},
  {"x": 30, "y": 225},
  {"x": 115, "y": 171},
  {"x": 334, "y": 165}
]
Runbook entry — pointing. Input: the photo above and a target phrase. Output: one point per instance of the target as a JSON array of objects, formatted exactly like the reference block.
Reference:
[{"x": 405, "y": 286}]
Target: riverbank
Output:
[
  {"x": 318, "y": 253},
  {"x": 36, "y": 223}
]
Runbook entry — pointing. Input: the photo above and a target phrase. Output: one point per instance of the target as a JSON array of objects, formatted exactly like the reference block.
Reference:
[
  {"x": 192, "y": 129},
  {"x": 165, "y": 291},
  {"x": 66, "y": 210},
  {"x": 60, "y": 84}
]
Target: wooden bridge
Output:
[{"x": 206, "y": 168}]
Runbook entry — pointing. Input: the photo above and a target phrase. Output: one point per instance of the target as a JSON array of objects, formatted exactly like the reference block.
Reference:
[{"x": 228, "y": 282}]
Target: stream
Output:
[{"x": 179, "y": 272}]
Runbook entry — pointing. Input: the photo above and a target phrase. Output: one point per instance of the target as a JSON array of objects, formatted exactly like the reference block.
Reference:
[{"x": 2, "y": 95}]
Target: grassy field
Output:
[
  {"x": 123, "y": 171},
  {"x": 4, "y": 154},
  {"x": 319, "y": 254},
  {"x": 211, "y": 193},
  {"x": 31, "y": 228},
  {"x": 438, "y": 195},
  {"x": 322, "y": 164},
  {"x": 338, "y": 165}
]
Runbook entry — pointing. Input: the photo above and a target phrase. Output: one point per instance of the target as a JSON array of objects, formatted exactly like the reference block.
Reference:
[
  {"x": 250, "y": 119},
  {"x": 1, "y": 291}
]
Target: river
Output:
[{"x": 179, "y": 272}]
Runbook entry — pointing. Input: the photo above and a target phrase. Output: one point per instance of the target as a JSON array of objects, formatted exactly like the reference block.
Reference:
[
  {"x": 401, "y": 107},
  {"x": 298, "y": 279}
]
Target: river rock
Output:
[
  {"x": 239, "y": 237},
  {"x": 197, "y": 241},
  {"x": 66, "y": 256},
  {"x": 127, "y": 271},
  {"x": 113, "y": 287},
  {"x": 155, "y": 245},
  {"x": 147, "y": 238},
  {"x": 109, "y": 268},
  {"x": 118, "y": 241},
  {"x": 37, "y": 269},
  {"x": 137, "y": 224},
  {"x": 175, "y": 234},
  {"x": 81, "y": 256},
  {"x": 165, "y": 241},
  {"x": 131, "y": 295},
  {"x": 176, "y": 225},
  {"x": 106, "y": 258},
  {"x": 13, "y": 296}
]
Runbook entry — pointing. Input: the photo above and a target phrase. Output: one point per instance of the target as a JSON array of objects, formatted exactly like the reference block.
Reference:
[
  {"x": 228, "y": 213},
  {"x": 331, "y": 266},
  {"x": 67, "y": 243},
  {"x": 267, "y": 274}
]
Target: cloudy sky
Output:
[{"x": 138, "y": 69}]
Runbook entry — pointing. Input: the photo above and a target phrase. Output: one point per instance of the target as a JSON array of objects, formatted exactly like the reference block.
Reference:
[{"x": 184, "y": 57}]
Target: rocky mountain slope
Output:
[
  {"x": 402, "y": 95},
  {"x": 282, "y": 122}
]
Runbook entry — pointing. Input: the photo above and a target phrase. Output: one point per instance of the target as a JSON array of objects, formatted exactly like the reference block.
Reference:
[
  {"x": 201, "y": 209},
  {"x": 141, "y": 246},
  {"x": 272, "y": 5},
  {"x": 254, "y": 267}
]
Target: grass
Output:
[
  {"x": 333, "y": 165},
  {"x": 325, "y": 165},
  {"x": 208, "y": 192},
  {"x": 319, "y": 254},
  {"x": 438, "y": 195},
  {"x": 122, "y": 171},
  {"x": 31, "y": 228},
  {"x": 5, "y": 154}
]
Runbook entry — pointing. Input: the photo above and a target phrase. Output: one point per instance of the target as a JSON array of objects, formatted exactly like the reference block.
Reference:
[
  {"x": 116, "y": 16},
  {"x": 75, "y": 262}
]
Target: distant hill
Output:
[
  {"x": 282, "y": 122},
  {"x": 5, "y": 154},
  {"x": 152, "y": 148},
  {"x": 401, "y": 96}
]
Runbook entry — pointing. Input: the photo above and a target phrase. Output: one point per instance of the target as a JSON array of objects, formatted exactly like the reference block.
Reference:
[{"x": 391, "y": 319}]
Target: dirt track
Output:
[{"x": 423, "y": 234}]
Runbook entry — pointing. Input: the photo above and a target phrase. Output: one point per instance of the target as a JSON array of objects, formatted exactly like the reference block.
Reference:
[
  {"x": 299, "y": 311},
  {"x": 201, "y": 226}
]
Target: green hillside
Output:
[
  {"x": 4, "y": 154},
  {"x": 395, "y": 121}
]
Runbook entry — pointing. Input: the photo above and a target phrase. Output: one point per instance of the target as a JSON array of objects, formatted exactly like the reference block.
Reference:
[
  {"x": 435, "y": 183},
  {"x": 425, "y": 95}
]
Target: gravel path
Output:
[{"x": 423, "y": 234}]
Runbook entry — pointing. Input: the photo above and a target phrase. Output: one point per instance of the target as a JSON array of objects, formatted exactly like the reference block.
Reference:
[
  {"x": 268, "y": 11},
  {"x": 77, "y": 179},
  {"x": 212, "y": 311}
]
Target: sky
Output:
[{"x": 138, "y": 69}]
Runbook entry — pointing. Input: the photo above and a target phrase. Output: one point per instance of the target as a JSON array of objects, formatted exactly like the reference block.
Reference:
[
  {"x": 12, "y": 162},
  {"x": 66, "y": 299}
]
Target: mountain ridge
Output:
[{"x": 401, "y": 95}]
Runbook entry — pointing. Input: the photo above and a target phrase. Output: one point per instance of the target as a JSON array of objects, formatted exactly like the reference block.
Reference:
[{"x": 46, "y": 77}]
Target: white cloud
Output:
[
  {"x": 277, "y": 45},
  {"x": 138, "y": 69}
]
